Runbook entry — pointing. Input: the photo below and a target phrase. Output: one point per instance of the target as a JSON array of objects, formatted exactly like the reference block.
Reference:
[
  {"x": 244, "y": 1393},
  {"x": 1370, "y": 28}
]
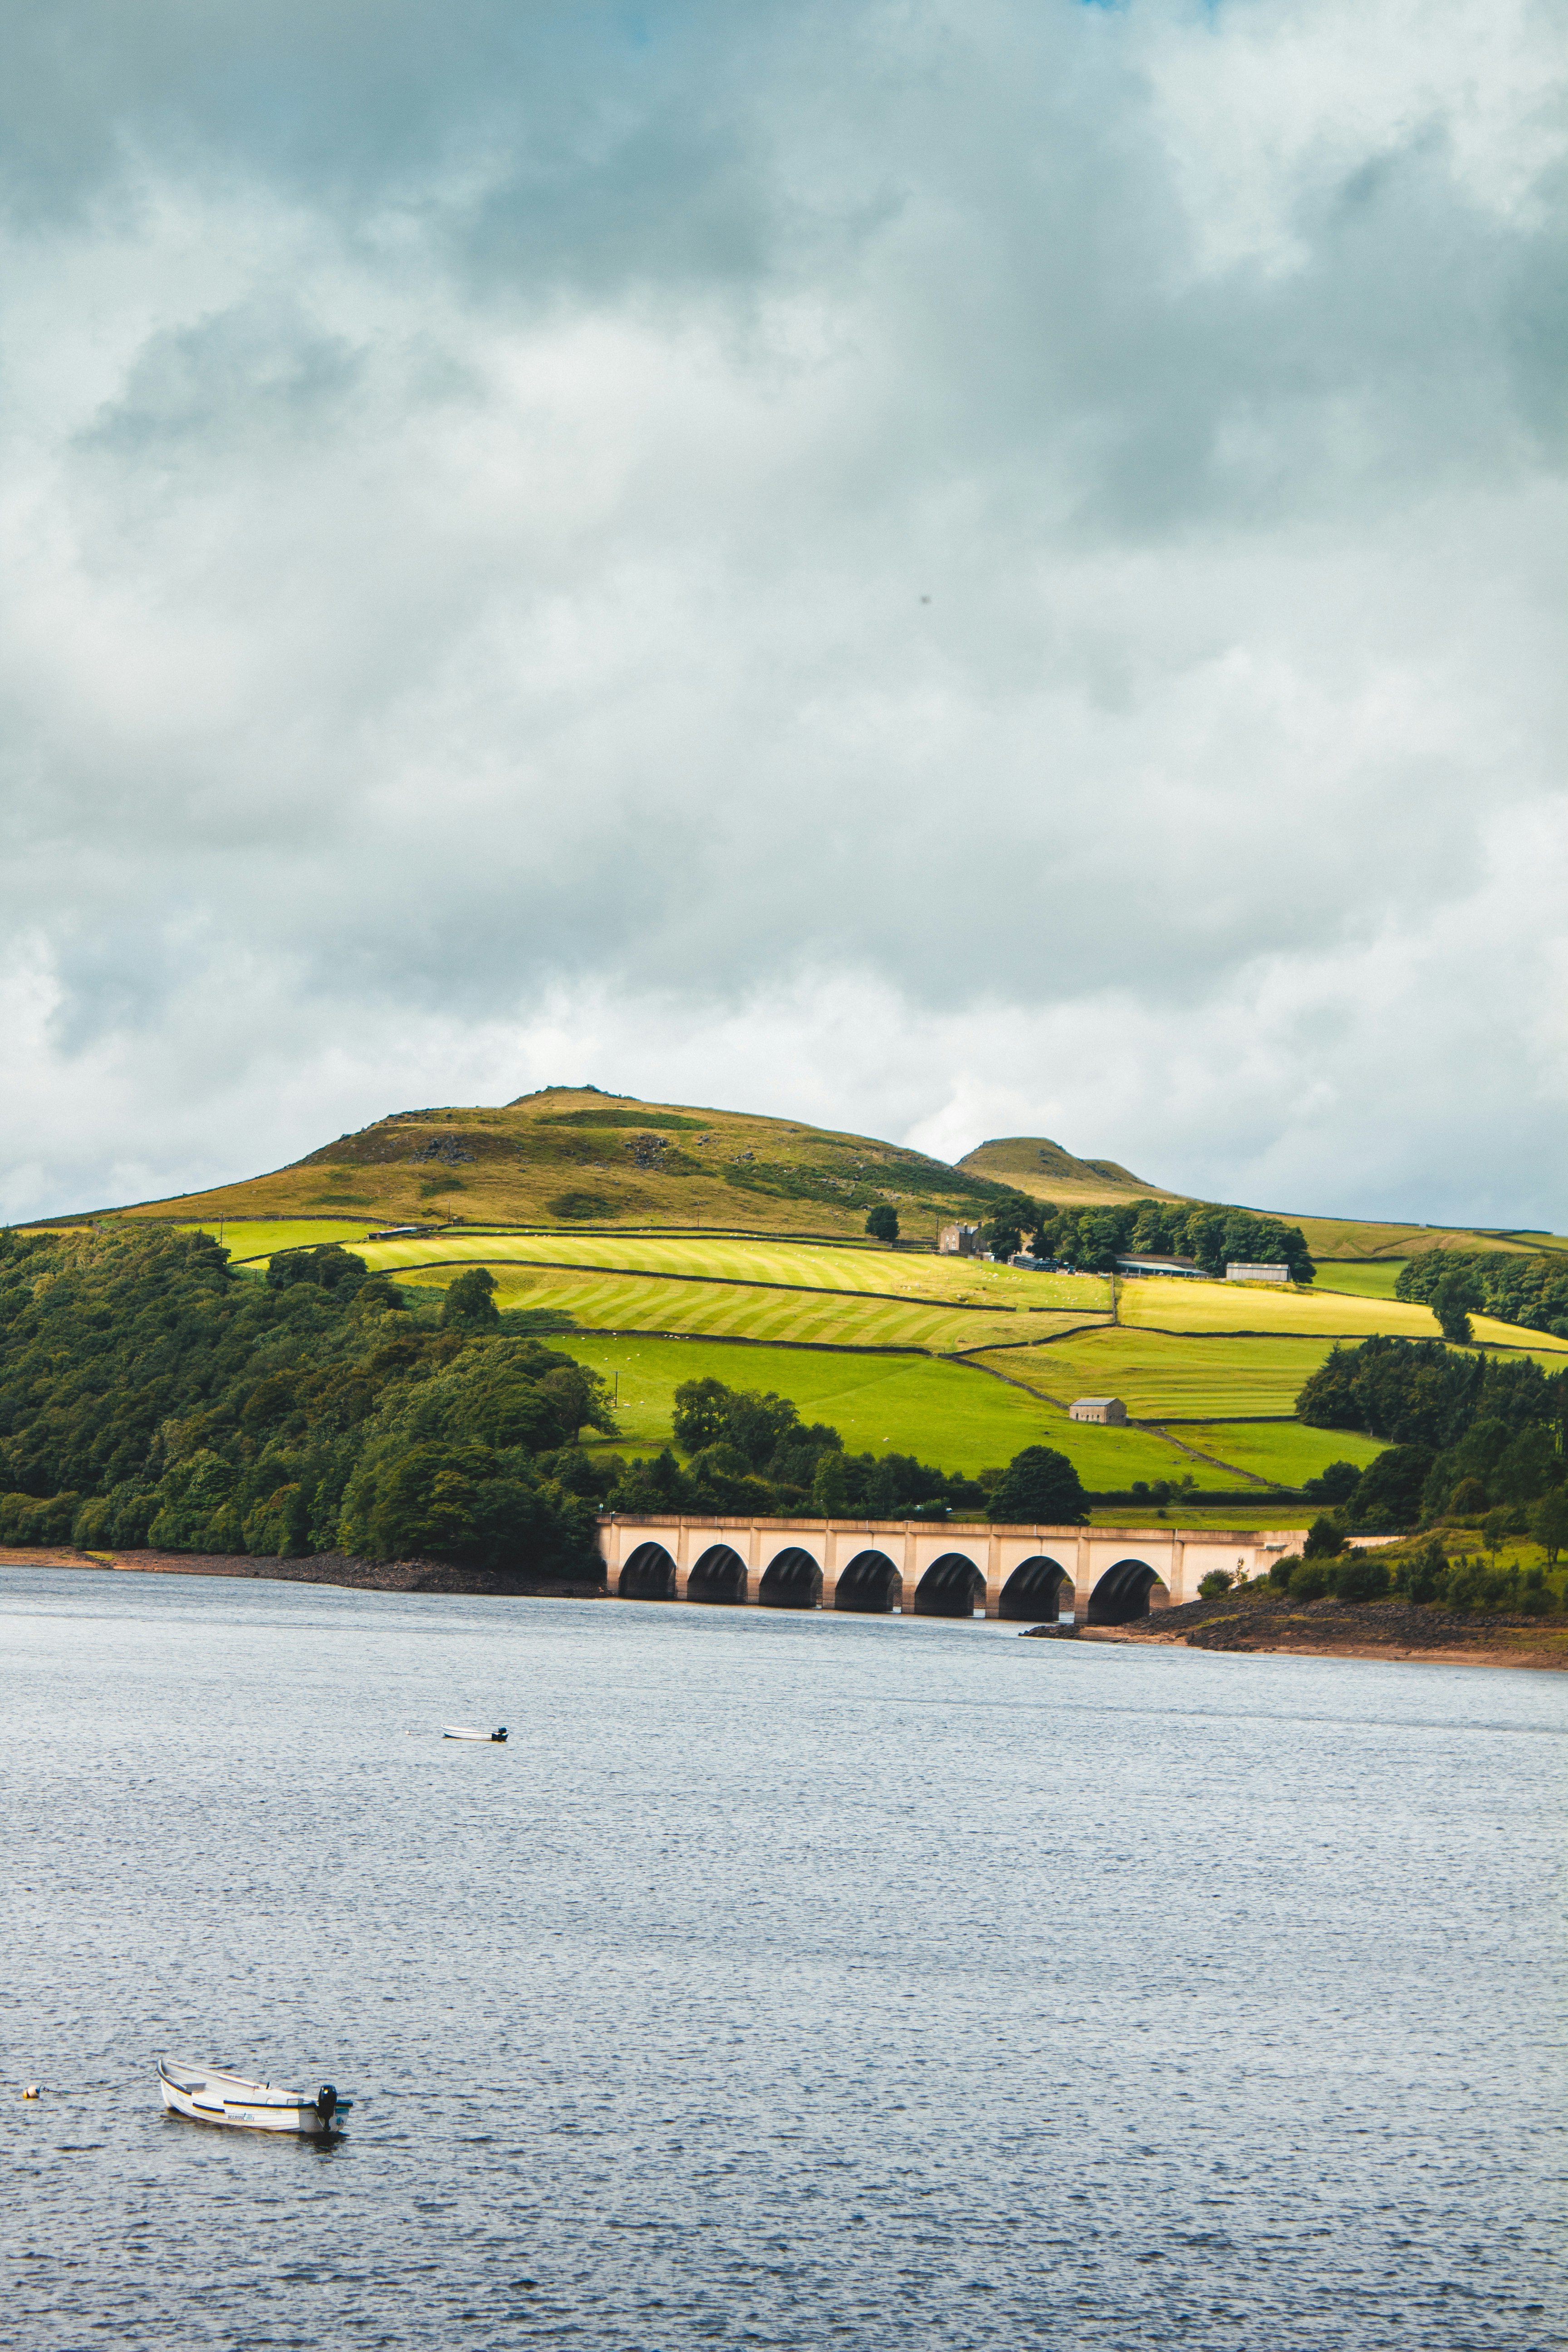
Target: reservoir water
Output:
[{"x": 783, "y": 1981}]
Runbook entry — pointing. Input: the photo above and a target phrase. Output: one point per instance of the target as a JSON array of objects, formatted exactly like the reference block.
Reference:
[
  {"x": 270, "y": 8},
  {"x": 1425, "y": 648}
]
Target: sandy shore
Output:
[{"x": 1473, "y": 1653}]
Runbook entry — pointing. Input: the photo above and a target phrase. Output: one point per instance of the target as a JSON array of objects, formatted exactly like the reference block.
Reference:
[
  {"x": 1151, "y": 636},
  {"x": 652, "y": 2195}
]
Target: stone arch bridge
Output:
[{"x": 924, "y": 1568}]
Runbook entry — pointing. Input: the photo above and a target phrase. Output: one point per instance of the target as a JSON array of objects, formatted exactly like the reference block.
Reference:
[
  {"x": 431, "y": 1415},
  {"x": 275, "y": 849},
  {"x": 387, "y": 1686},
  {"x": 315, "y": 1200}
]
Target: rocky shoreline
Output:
[{"x": 1262, "y": 1621}]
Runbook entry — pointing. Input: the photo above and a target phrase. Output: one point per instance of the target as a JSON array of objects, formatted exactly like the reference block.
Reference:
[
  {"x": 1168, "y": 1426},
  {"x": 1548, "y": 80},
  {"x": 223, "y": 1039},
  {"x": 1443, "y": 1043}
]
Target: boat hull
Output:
[{"x": 232, "y": 2103}]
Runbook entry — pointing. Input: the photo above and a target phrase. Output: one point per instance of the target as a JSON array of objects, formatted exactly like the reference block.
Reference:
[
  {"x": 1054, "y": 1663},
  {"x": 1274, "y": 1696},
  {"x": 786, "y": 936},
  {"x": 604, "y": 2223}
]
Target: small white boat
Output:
[
  {"x": 466, "y": 1731},
  {"x": 208, "y": 2094}
]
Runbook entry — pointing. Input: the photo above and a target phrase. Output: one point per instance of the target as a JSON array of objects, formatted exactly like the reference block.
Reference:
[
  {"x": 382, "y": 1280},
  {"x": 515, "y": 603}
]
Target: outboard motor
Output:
[{"x": 326, "y": 2103}]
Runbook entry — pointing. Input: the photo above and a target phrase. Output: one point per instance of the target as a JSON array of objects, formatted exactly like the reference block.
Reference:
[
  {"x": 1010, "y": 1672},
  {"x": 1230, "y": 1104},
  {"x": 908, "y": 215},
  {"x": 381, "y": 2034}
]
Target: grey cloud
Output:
[{"x": 471, "y": 581}]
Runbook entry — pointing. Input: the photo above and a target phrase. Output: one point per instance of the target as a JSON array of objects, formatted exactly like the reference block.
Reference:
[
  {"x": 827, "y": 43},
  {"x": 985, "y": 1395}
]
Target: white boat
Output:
[
  {"x": 208, "y": 2094},
  {"x": 467, "y": 1731}
]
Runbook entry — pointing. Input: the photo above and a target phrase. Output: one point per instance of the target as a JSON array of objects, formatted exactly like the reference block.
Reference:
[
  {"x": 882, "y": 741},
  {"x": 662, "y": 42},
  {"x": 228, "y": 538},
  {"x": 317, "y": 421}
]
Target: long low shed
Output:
[{"x": 1104, "y": 1576}]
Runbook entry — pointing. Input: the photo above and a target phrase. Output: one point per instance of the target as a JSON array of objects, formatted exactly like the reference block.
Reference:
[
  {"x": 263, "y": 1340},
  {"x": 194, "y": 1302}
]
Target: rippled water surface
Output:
[{"x": 785, "y": 1980}]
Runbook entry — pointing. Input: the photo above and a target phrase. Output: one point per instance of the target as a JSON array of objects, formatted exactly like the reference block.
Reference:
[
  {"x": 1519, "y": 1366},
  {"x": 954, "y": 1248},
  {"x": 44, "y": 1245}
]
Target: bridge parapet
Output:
[{"x": 925, "y": 1566}]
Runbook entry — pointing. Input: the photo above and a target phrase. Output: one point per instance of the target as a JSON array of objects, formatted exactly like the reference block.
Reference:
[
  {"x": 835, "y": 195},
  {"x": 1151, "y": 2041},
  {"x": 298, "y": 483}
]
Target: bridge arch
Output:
[
  {"x": 720, "y": 1575},
  {"x": 792, "y": 1581},
  {"x": 1122, "y": 1593},
  {"x": 1034, "y": 1588},
  {"x": 870, "y": 1585},
  {"x": 648, "y": 1574},
  {"x": 950, "y": 1587}
]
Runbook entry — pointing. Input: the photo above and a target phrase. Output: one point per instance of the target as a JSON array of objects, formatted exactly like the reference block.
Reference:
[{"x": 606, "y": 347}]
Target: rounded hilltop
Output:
[{"x": 579, "y": 1155}]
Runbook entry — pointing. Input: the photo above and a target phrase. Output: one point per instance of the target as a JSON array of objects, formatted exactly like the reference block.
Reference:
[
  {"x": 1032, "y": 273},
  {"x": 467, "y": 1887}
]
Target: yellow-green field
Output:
[
  {"x": 1345, "y": 1238},
  {"x": 944, "y": 1413},
  {"x": 1171, "y": 1305}
]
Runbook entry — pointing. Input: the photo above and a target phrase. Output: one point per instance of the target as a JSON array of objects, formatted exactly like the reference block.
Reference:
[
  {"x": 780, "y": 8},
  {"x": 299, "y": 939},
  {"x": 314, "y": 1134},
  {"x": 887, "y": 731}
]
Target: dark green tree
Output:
[
  {"x": 1003, "y": 1232},
  {"x": 1548, "y": 1523},
  {"x": 1452, "y": 1300},
  {"x": 882, "y": 1221},
  {"x": 1420, "y": 1578},
  {"x": 1325, "y": 1539},
  {"x": 1040, "y": 1486},
  {"x": 1334, "y": 1484},
  {"x": 470, "y": 1303},
  {"x": 1388, "y": 1493},
  {"x": 700, "y": 1407}
]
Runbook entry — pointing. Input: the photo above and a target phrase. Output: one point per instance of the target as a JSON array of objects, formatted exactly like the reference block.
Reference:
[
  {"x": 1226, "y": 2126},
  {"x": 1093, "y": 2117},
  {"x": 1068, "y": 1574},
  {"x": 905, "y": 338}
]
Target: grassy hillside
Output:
[{"x": 572, "y": 1157}]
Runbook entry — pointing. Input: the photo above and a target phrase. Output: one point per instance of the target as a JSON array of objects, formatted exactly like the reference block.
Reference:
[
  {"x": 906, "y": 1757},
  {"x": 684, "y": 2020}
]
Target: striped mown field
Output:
[
  {"x": 801, "y": 1265},
  {"x": 1204, "y": 1357},
  {"x": 613, "y": 1302}
]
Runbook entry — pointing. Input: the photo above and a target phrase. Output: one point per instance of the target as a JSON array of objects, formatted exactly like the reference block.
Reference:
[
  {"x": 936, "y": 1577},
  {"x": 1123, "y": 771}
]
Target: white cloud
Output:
[{"x": 467, "y": 619}]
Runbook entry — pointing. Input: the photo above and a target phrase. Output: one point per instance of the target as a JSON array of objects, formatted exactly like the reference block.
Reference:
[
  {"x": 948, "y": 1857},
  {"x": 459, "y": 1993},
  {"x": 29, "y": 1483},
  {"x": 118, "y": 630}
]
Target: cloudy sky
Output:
[{"x": 948, "y": 567}]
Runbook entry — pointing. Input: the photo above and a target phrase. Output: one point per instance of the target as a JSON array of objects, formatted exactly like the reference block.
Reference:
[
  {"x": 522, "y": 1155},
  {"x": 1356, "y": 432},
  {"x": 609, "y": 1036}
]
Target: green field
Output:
[
  {"x": 1244, "y": 1518},
  {"x": 1372, "y": 1279},
  {"x": 944, "y": 1413},
  {"x": 1283, "y": 1451},
  {"x": 1159, "y": 1377},
  {"x": 256, "y": 1238}
]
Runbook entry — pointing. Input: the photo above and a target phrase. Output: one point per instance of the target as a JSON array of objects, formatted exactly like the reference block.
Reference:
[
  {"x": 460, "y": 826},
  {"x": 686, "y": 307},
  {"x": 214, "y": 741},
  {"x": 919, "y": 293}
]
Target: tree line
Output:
[
  {"x": 1530, "y": 1290},
  {"x": 1092, "y": 1240}
]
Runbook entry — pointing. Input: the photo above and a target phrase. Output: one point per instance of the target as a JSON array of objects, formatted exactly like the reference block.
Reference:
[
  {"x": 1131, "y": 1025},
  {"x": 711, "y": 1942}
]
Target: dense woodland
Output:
[
  {"x": 1467, "y": 1432},
  {"x": 151, "y": 1395}
]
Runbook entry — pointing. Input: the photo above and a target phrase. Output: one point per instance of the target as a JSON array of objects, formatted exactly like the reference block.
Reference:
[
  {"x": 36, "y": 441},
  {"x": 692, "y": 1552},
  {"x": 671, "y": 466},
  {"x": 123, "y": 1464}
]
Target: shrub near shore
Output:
[{"x": 1443, "y": 1569}]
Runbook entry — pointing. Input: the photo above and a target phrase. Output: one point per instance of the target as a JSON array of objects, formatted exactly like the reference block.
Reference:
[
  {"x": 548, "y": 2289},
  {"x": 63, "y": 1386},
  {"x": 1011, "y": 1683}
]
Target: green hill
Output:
[{"x": 1034, "y": 1165}]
